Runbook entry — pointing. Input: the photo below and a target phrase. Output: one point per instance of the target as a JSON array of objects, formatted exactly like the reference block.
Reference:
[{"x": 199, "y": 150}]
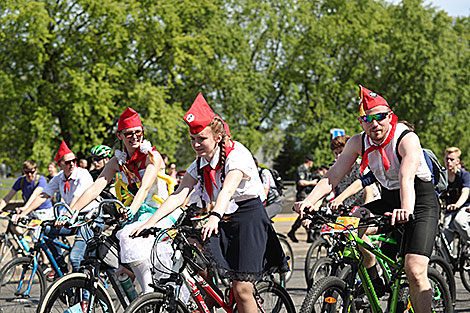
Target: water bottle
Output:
[
  {"x": 24, "y": 243},
  {"x": 128, "y": 286}
]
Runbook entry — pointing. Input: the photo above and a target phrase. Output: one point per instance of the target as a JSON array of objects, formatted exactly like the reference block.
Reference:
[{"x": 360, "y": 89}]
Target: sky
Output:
[{"x": 452, "y": 7}]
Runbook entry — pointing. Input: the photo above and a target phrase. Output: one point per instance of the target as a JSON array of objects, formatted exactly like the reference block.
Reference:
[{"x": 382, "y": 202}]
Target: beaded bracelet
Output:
[{"x": 215, "y": 214}]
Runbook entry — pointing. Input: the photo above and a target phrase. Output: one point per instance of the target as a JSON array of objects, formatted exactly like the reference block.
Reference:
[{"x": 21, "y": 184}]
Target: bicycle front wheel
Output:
[
  {"x": 326, "y": 295},
  {"x": 465, "y": 267},
  {"x": 319, "y": 248},
  {"x": 21, "y": 286},
  {"x": 153, "y": 302},
  {"x": 272, "y": 298},
  {"x": 286, "y": 247},
  {"x": 71, "y": 291}
]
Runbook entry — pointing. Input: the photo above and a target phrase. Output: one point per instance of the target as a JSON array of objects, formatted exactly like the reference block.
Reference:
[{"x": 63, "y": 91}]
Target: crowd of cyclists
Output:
[{"x": 383, "y": 170}]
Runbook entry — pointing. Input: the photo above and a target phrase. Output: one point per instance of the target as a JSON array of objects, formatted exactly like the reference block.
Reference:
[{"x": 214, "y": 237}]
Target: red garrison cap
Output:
[
  {"x": 63, "y": 150},
  {"x": 369, "y": 100},
  {"x": 199, "y": 115},
  {"x": 128, "y": 119}
]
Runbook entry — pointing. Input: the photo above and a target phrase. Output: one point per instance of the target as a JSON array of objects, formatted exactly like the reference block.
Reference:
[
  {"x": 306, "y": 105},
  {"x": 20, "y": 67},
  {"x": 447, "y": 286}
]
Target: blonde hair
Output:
[{"x": 454, "y": 150}]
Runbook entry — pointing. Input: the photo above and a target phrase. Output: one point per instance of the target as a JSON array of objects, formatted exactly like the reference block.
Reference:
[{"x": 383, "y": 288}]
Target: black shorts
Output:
[{"x": 420, "y": 233}]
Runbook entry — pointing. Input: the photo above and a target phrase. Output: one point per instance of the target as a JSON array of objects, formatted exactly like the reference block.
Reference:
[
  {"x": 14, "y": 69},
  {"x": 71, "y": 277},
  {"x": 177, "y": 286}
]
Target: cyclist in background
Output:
[
  {"x": 31, "y": 185},
  {"x": 273, "y": 201},
  {"x": 71, "y": 182}
]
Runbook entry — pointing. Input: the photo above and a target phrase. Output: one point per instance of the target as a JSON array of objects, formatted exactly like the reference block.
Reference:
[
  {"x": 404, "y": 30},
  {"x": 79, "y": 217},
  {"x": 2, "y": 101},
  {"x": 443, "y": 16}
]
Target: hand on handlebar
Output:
[
  {"x": 62, "y": 221},
  {"x": 135, "y": 232},
  {"x": 334, "y": 205},
  {"x": 128, "y": 214},
  {"x": 212, "y": 226},
  {"x": 300, "y": 206},
  {"x": 399, "y": 216},
  {"x": 452, "y": 207},
  {"x": 18, "y": 217}
]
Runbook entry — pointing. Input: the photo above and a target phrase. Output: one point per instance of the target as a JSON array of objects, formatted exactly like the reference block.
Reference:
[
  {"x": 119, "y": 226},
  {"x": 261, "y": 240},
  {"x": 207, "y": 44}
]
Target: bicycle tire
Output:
[
  {"x": 326, "y": 295},
  {"x": 317, "y": 249},
  {"x": 289, "y": 252},
  {"x": 464, "y": 267},
  {"x": 153, "y": 302},
  {"x": 321, "y": 268},
  {"x": 69, "y": 289},
  {"x": 7, "y": 250},
  {"x": 13, "y": 301},
  {"x": 443, "y": 267},
  {"x": 273, "y": 298}
]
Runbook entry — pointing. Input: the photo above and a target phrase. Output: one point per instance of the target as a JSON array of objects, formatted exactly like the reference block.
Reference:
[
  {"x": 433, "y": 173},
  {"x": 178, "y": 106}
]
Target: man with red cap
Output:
[
  {"x": 394, "y": 155},
  {"x": 71, "y": 182}
]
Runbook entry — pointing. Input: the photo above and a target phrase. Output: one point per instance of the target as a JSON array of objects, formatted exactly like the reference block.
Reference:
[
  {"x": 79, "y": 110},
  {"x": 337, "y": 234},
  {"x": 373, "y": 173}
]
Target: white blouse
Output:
[{"x": 240, "y": 158}]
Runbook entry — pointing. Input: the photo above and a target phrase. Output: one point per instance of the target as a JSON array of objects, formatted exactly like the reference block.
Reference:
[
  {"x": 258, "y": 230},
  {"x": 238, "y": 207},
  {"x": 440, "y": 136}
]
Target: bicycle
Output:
[
  {"x": 189, "y": 262},
  {"x": 92, "y": 285},
  {"x": 460, "y": 261},
  {"x": 331, "y": 294},
  {"x": 22, "y": 280},
  {"x": 12, "y": 244}
]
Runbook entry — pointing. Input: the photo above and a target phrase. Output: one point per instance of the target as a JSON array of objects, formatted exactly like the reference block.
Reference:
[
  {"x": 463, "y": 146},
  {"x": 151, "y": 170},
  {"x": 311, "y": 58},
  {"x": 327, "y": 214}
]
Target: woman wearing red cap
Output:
[
  {"x": 138, "y": 164},
  {"x": 226, "y": 179}
]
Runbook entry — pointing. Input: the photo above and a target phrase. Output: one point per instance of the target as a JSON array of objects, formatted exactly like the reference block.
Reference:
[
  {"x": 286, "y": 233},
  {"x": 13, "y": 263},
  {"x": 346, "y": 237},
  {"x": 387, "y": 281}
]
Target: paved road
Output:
[{"x": 297, "y": 287}]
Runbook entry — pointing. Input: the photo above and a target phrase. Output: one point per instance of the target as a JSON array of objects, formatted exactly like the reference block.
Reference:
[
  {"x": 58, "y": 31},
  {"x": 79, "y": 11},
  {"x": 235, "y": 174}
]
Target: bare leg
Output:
[
  {"x": 416, "y": 268},
  {"x": 243, "y": 292},
  {"x": 368, "y": 258}
]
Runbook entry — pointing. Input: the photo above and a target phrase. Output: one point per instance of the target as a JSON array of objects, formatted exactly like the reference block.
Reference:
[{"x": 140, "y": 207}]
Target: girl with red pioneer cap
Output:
[
  {"x": 226, "y": 179},
  {"x": 138, "y": 164}
]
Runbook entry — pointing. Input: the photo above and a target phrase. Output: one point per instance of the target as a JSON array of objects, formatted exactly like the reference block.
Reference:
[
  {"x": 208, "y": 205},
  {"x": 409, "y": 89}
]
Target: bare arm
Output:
[
  {"x": 352, "y": 189},
  {"x": 411, "y": 156},
  {"x": 461, "y": 201},
  {"x": 8, "y": 197},
  {"x": 175, "y": 200},
  {"x": 334, "y": 175},
  {"x": 231, "y": 183},
  {"x": 369, "y": 190},
  {"x": 94, "y": 190}
]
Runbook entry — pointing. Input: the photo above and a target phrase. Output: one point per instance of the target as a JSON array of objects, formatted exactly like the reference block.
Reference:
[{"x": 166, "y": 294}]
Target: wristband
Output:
[{"x": 215, "y": 214}]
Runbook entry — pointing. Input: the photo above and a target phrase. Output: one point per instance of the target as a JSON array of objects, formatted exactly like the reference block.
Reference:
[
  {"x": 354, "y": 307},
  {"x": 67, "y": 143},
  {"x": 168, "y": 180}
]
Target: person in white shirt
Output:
[
  {"x": 226, "y": 178},
  {"x": 71, "y": 182}
]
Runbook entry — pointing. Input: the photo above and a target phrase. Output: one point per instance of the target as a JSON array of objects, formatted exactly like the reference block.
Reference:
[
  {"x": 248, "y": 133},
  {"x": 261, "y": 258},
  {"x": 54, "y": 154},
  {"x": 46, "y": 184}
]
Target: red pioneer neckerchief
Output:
[
  {"x": 385, "y": 160},
  {"x": 209, "y": 172}
]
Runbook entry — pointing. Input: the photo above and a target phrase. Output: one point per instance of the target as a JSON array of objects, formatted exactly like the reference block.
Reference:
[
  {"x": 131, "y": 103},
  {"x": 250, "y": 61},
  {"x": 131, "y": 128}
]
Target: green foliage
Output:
[{"x": 281, "y": 72}]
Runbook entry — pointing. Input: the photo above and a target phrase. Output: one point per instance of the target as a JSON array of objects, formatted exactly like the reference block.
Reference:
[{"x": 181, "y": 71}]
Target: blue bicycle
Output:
[{"x": 22, "y": 282}]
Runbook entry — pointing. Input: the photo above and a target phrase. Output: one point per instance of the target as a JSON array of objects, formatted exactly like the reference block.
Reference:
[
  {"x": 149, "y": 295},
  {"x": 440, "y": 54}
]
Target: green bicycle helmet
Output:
[{"x": 101, "y": 151}]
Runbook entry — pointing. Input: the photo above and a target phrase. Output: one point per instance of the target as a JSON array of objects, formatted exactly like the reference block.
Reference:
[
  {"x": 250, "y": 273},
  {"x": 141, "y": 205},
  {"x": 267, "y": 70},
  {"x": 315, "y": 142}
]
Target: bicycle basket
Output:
[{"x": 108, "y": 252}]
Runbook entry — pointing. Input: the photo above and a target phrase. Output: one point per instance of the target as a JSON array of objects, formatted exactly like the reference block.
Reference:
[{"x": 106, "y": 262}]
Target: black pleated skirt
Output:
[{"x": 247, "y": 246}]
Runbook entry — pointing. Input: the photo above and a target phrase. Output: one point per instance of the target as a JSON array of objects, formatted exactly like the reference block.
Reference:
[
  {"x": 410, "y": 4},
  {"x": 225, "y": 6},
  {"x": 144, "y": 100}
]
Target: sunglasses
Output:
[
  {"x": 130, "y": 134},
  {"x": 377, "y": 117},
  {"x": 70, "y": 162},
  {"x": 30, "y": 172},
  {"x": 97, "y": 159}
]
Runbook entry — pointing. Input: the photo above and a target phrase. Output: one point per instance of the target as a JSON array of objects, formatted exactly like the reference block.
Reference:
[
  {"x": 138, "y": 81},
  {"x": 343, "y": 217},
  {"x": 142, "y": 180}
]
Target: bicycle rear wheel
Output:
[
  {"x": 443, "y": 267},
  {"x": 152, "y": 303},
  {"x": 20, "y": 290},
  {"x": 70, "y": 291},
  {"x": 286, "y": 247},
  {"x": 272, "y": 298},
  {"x": 7, "y": 250}
]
